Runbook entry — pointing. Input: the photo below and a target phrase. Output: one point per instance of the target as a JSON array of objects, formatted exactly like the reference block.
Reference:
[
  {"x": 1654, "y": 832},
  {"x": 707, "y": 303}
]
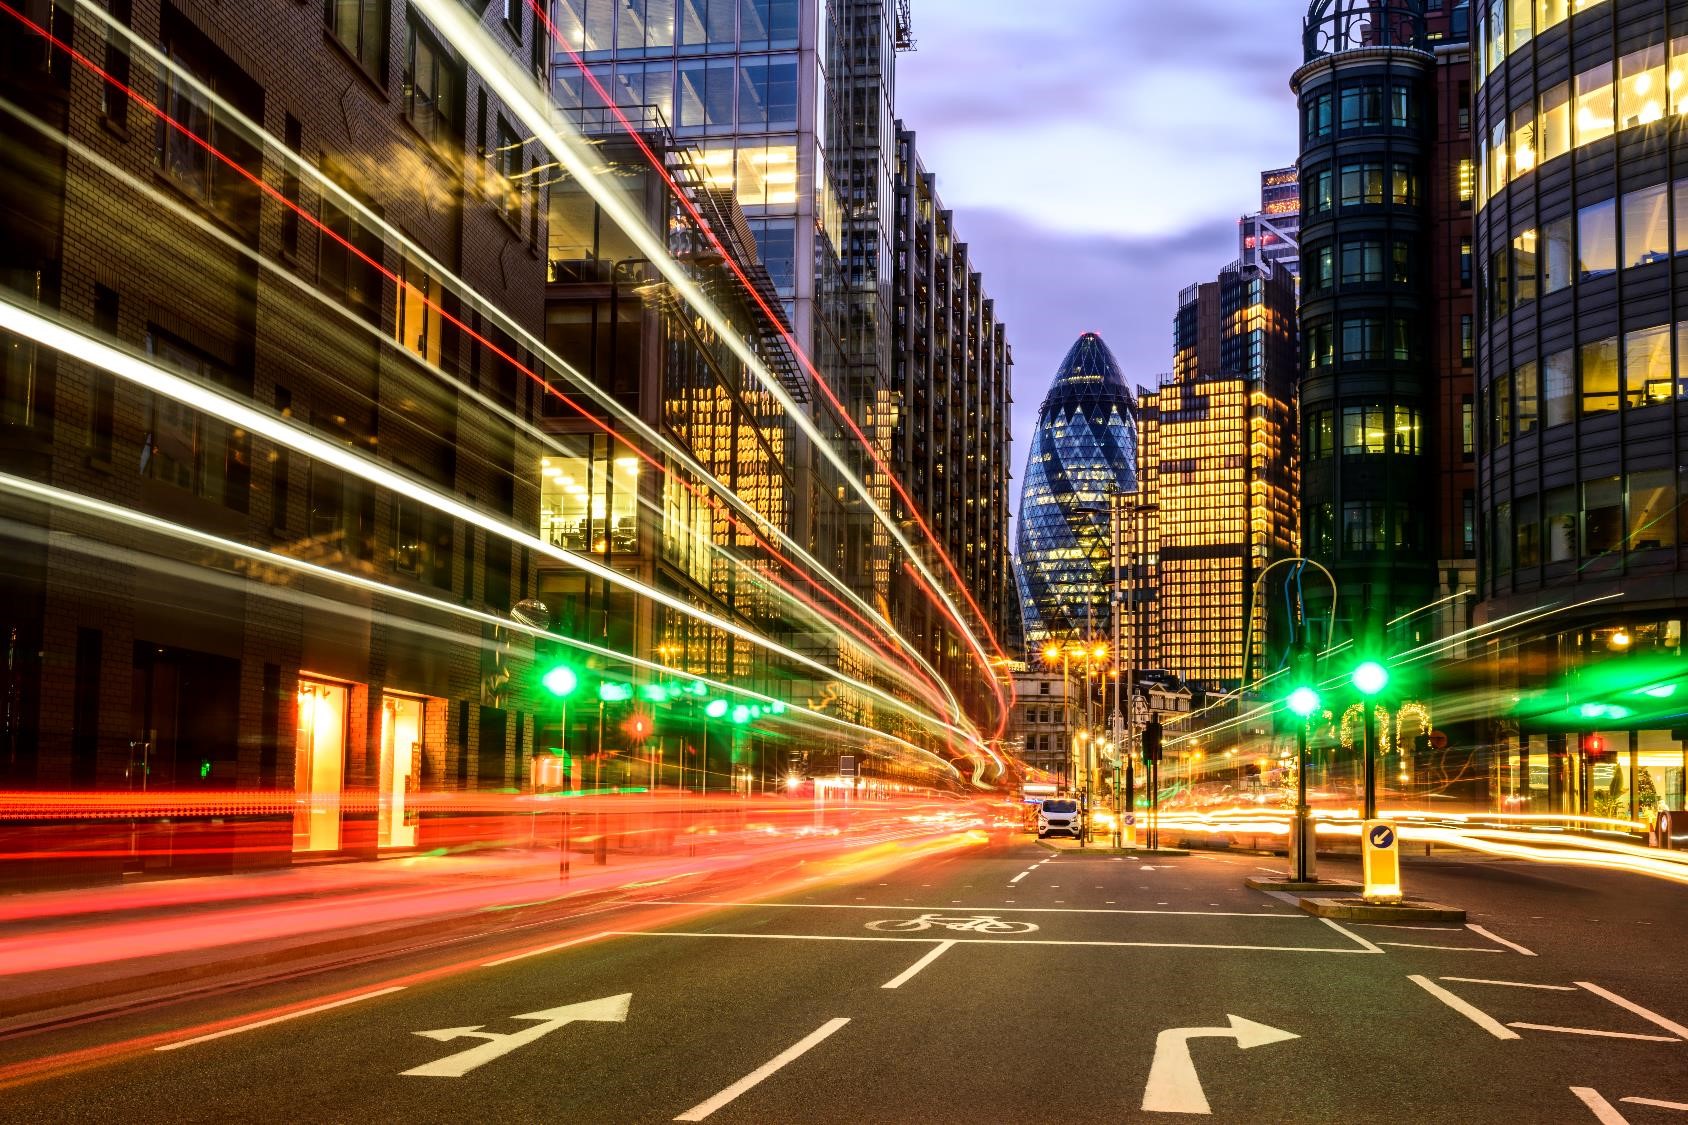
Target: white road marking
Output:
[
  {"x": 1498, "y": 940},
  {"x": 1593, "y": 1031},
  {"x": 1332, "y": 923},
  {"x": 907, "y": 974},
  {"x": 761, "y": 1073},
  {"x": 1018, "y": 910},
  {"x": 1656, "y": 1103},
  {"x": 256, "y": 1024},
  {"x": 1476, "y": 1015},
  {"x": 1651, "y": 1017},
  {"x": 1604, "y": 1111},
  {"x": 1174, "y": 1086},
  {"x": 1398, "y": 926},
  {"x": 608, "y": 1009},
  {"x": 542, "y": 949},
  {"x": 1018, "y": 877},
  {"x": 989, "y": 941},
  {"x": 1444, "y": 948},
  {"x": 1513, "y": 984}
]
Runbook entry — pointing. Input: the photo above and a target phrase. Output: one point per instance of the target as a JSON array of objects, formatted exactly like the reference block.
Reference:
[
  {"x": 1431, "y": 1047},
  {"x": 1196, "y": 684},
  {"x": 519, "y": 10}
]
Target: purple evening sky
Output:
[{"x": 1097, "y": 154}]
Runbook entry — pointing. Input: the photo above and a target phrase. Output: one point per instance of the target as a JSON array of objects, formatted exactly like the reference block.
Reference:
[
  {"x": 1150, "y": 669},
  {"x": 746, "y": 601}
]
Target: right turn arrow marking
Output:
[{"x": 1174, "y": 1086}]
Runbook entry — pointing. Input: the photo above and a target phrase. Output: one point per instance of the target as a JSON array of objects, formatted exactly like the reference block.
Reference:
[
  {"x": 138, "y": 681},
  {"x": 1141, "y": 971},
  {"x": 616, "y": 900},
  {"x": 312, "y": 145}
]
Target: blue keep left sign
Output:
[{"x": 1381, "y": 836}]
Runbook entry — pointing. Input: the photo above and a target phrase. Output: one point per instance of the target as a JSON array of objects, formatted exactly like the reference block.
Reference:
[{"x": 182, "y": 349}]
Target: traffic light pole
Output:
[
  {"x": 1302, "y": 812},
  {"x": 1370, "y": 727}
]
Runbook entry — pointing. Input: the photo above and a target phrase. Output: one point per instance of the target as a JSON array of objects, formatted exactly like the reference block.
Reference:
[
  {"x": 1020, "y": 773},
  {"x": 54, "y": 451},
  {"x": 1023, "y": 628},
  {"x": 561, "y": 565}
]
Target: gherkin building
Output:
[{"x": 1084, "y": 447}]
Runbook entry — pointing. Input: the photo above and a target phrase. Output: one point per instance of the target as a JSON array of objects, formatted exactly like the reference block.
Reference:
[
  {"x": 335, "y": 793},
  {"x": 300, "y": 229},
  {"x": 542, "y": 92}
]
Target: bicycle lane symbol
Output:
[{"x": 967, "y": 924}]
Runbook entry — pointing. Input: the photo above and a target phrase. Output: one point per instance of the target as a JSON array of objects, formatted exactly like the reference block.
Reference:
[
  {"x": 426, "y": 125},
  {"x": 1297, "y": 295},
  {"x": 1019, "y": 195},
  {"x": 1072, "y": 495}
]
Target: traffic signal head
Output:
[
  {"x": 654, "y": 693},
  {"x": 560, "y": 681},
  {"x": 1371, "y": 678},
  {"x": 1152, "y": 740},
  {"x": 1302, "y": 701},
  {"x": 1594, "y": 746},
  {"x": 716, "y": 708},
  {"x": 612, "y": 692},
  {"x": 741, "y": 714}
]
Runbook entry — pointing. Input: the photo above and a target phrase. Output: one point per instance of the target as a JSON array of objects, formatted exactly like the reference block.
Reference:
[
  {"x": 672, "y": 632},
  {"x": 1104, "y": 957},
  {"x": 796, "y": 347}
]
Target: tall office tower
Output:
[
  {"x": 953, "y": 373},
  {"x": 1271, "y": 236},
  {"x": 1222, "y": 430},
  {"x": 1369, "y": 378},
  {"x": 1582, "y": 222},
  {"x": 293, "y": 271},
  {"x": 1083, "y": 451}
]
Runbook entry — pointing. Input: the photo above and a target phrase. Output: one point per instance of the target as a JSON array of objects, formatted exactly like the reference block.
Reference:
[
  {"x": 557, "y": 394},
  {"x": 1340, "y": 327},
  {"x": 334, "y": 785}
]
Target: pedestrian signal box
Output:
[{"x": 1380, "y": 862}]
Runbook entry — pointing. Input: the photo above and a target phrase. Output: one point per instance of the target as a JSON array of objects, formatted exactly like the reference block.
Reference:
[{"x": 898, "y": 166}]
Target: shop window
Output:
[
  {"x": 1652, "y": 510},
  {"x": 1526, "y": 518},
  {"x": 1556, "y": 256},
  {"x": 1362, "y": 183},
  {"x": 1646, "y": 226},
  {"x": 1560, "y": 524},
  {"x": 1641, "y": 87},
  {"x": 1526, "y": 394},
  {"x": 319, "y": 752},
  {"x": 1523, "y": 139},
  {"x": 1408, "y": 427},
  {"x": 1647, "y": 377},
  {"x": 1597, "y": 250},
  {"x": 1316, "y": 116},
  {"x": 1553, "y": 122},
  {"x": 1524, "y": 265},
  {"x": 1603, "y": 516},
  {"x": 1362, "y": 261},
  {"x": 1600, "y": 376},
  {"x": 1363, "y": 429},
  {"x": 1558, "y": 403},
  {"x": 402, "y": 727},
  {"x": 1594, "y": 104},
  {"x": 1500, "y": 411}
]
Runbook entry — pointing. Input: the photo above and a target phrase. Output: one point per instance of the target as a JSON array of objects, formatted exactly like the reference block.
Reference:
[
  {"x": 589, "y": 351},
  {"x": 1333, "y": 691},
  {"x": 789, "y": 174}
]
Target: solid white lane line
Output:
[
  {"x": 1398, "y": 926},
  {"x": 1655, "y": 1102},
  {"x": 989, "y": 941},
  {"x": 542, "y": 949},
  {"x": 1651, "y": 1017},
  {"x": 1345, "y": 932},
  {"x": 1476, "y": 1015},
  {"x": 1593, "y": 1031},
  {"x": 1017, "y": 910},
  {"x": 256, "y": 1024},
  {"x": 1445, "y": 948},
  {"x": 1498, "y": 940},
  {"x": 763, "y": 1072},
  {"x": 1604, "y": 1111},
  {"x": 1513, "y": 984},
  {"x": 907, "y": 974}
]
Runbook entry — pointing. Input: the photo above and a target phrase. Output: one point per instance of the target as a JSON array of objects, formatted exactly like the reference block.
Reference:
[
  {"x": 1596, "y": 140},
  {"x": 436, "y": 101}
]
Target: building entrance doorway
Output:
[
  {"x": 401, "y": 770},
  {"x": 319, "y": 757}
]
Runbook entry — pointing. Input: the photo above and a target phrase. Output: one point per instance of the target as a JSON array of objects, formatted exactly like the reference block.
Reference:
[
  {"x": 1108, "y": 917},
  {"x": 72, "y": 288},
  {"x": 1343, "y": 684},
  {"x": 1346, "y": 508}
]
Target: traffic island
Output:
[
  {"x": 1359, "y": 910},
  {"x": 1317, "y": 886}
]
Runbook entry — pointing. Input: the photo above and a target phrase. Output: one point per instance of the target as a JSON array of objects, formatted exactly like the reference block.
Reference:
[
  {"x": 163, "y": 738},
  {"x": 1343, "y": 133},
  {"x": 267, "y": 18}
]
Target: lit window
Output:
[
  {"x": 1524, "y": 267},
  {"x": 1677, "y": 82},
  {"x": 1362, "y": 183},
  {"x": 1600, "y": 376},
  {"x": 1559, "y": 388},
  {"x": 1407, "y": 429},
  {"x": 1555, "y": 256},
  {"x": 1523, "y": 139},
  {"x": 1597, "y": 251},
  {"x": 1464, "y": 180},
  {"x": 1646, "y": 226},
  {"x": 1652, "y": 510},
  {"x": 1551, "y": 13},
  {"x": 1527, "y": 393},
  {"x": 1518, "y": 22},
  {"x": 1641, "y": 87},
  {"x": 1363, "y": 429},
  {"x": 1594, "y": 104},
  {"x": 1553, "y": 130},
  {"x": 1647, "y": 366},
  {"x": 417, "y": 324}
]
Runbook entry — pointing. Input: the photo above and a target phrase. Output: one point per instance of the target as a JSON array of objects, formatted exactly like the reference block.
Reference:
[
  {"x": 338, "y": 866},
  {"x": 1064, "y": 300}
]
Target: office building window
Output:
[
  {"x": 703, "y": 95},
  {"x": 1603, "y": 516},
  {"x": 1641, "y": 87},
  {"x": 1524, "y": 268},
  {"x": 1467, "y": 339},
  {"x": 1467, "y": 428},
  {"x": 114, "y": 94},
  {"x": 1362, "y": 183},
  {"x": 416, "y": 324},
  {"x": 1465, "y": 262},
  {"x": 1526, "y": 518},
  {"x": 1403, "y": 185},
  {"x": 1320, "y": 268},
  {"x": 765, "y": 24},
  {"x": 1316, "y": 116},
  {"x": 1362, "y": 106},
  {"x": 767, "y": 94},
  {"x": 1365, "y": 527},
  {"x": 1600, "y": 376},
  {"x": 346, "y": 262},
  {"x": 1594, "y": 106},
  {"x": 1467, "y": 524},
  {"x": 433, "y": 89},
  {"x": 360, "y": 26},
  {"x": 1500, "y": 411},
  {"x": 1526, "y": 390},
  {"x": 1500, "y": 537},
  {"x": 1560, "y": 524},
  {"x": 1465, "y": 185},
  {"x": 1597, "y": 251},
  {"x": 1555, "y": 257},
  {"x": 1362, "y": 339},
  {"x": 1363, "y": 429},
  {"x": 1559, "y": 388},
  {"x": 198, "y": 453},
  {"x": 1362, "y": 261},
  {"x": 1319, "y": 343},
  {"x": 1652, "y": 510},
  {"x": 1407, "y": 430},
  {"x": 1500, "y": 282},
  {"x": 1321, "y": 435},
  {"x": 1647, "y": 377},
  {"x": 1553, "y": 132},
  {"x": 1316, "y": 191},
  {"x": 1646, "y": 226}
]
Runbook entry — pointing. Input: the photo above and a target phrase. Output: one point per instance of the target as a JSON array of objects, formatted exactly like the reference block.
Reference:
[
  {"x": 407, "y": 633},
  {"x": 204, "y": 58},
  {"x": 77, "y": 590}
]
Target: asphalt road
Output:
[{"x": 990, "y": 983}]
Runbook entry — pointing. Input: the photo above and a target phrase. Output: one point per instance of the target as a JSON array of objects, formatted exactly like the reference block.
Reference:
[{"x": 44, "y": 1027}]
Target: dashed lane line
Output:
[
  {"x": 907, "y": 974},
  {"x": 993, "y": 941},
  {"x": 703, "y": 1109},
  {"x": 1018, "y": 909},
  {"x": 256, "y": 1024}
]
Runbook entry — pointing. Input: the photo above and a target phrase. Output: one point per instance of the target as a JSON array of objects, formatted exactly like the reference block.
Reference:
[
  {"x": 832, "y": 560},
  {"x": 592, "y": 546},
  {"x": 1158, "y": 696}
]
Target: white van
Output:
[{"x": 1059, "y": 815}]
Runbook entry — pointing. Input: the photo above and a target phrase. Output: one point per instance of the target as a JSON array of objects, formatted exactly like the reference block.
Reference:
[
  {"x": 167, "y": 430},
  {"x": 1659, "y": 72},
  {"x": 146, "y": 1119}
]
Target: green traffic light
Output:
[
  {"x": 776, "y": 708},
  {"x": 611, "y": 692},
  {"x": 716, "y": 708},
  {"x": 654, "y": 693},
  {"x": 1303, "y": 701},
  {"x": 560, "y": 681},
  {"x": 741, "y": 714},
  {"x": 1371, "y": 678},
  {"x": 699, "y": 688}
]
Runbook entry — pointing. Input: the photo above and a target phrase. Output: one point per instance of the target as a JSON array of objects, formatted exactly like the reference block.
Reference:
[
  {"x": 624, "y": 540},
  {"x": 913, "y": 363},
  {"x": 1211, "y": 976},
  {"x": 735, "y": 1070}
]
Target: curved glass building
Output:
[
  {"x": 1084, "y": 447},
  {"x": 1581, "y": 239}
]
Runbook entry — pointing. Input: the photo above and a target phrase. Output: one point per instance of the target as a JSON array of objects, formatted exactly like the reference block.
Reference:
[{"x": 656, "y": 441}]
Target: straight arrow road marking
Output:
[
  {"x": 1174, "y": 1086},
  {"x": 762, "y": 1073},
  {"x": 610, "y": 1009}
]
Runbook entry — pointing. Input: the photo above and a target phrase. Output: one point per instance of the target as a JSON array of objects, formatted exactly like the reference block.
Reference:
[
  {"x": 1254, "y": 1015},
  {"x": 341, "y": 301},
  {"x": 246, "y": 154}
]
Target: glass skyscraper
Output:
[{"x": 1084, "y": 447}]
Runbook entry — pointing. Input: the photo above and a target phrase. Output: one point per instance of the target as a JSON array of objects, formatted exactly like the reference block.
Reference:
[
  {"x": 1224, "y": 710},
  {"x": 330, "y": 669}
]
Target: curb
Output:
[
  {"x": 1358, "y": 910},
  {"x": 1328, "y": 885},
  {"x": 1098, "y": 850}
]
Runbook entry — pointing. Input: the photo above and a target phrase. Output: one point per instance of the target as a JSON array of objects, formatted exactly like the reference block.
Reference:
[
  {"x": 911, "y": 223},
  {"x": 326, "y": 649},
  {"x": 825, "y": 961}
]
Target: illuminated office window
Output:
[
  {"x": 1647, "y": 378},
  {"x": 1641, "y": 87},
  {"x": 1553, "y": 136},
  {"x": 1594, "y": 105},
  {"x": 1600, "y": 376}
]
